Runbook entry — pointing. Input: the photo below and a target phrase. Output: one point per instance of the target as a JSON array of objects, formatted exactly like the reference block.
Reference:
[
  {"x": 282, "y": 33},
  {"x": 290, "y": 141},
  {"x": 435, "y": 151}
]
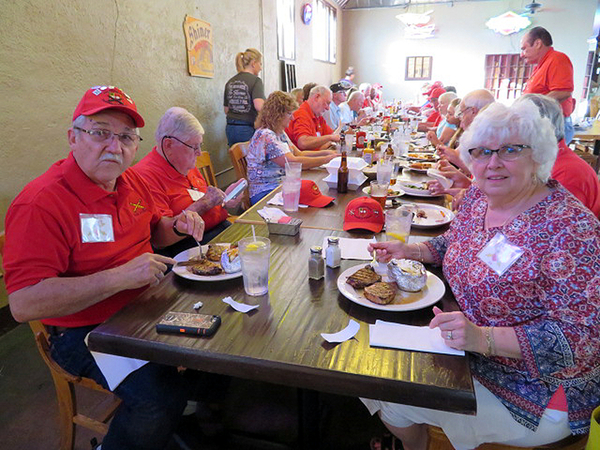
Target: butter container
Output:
[{"x": 409, "y": 275}]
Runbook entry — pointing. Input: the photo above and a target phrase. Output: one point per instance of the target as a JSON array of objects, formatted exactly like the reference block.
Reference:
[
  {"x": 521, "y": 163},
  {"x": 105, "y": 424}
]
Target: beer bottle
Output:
[{"x": 342, "y": 176}]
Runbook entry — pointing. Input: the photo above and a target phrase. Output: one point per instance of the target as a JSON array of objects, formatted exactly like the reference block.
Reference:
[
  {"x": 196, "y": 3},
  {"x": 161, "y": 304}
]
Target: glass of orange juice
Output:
[{"x": 397, "y": 224}]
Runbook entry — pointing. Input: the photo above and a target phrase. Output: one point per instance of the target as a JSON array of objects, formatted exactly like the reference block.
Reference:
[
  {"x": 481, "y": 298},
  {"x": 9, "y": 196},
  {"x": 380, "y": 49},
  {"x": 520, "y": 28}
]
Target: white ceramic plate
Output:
[
  {"x": 183, "y": 271},
  {"x": 397, "y": 189},
  {"x": 416, "y": 166},
  {"x": 404, "y": 301},
  {"x": 427, "y": 157},
  {"x": 414, "y": 191},
  {"x": 435, "y": 216}
]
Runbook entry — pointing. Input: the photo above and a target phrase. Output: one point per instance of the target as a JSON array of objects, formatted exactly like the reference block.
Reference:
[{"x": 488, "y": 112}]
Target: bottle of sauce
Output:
[
  {"x": 368, "y": 154},
  {"x": 360, "y": 139},
  {"x": 343, "y": 172}
]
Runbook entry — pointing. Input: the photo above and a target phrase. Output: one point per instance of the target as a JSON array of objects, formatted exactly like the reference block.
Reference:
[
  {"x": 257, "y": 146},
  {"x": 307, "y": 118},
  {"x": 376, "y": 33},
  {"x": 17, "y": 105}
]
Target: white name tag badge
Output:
[
  {"x": 499, "y": 254},
  {"x": 96, "y": 228},
  {"x": 195, "y": 195},
  {"x": 318, "y": 133}
]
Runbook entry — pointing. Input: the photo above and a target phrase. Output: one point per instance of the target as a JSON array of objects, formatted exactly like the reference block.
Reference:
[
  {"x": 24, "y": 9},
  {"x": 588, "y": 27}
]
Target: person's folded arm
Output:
[
  {"x": 306, "y": 161},
  {"x": 559, "y": 95},
  {"x": 307, "y": 142}
]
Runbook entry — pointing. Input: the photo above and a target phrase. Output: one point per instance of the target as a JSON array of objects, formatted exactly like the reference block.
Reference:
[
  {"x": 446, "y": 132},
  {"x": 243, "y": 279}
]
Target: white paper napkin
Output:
[
  {"x": 271, "y": 214},
  {"x": 115, "y": 368},
  {"x": 353, "y": 248},
  {"x": 437, "y": 175},
  {"x": 277, "y": 200},
  {"x": 241, "y": 307},
  {"x": 347, "y": 333},
  {"x": 408, "y": 337}
]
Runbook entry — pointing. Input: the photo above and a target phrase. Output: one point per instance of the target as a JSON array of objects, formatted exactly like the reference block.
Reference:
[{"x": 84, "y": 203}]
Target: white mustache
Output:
[{"x": 112, "y": 157}]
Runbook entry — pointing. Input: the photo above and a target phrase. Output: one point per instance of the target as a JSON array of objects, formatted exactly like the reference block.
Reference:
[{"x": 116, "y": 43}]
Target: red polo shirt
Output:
[
  {"x": 44, "y": 238},
  {"x": 170, "y": 188},
  {"x": 434, "y": 118},
  {"x": 305, "y": 123},
  {"x": 577, "y": 177},
  {"x": 553, "y": 73}
]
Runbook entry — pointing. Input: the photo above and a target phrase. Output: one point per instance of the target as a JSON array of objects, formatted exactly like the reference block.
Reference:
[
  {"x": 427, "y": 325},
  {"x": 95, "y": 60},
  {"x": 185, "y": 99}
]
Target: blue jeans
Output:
[
  {"x": 238, "y": 131},
  {"x": 153, "y": 396},
  {"x": 258, "y": 197},
  {"x": 569, "y": 130}
]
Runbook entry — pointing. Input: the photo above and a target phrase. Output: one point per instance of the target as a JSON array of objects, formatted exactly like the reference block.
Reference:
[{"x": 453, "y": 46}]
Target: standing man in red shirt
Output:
[
  {"x": 553, "y": 74},
  {"x": 78, "y": 249},
  {"x": 176, "y": 184},
  {"x": 308, "y": 129}
]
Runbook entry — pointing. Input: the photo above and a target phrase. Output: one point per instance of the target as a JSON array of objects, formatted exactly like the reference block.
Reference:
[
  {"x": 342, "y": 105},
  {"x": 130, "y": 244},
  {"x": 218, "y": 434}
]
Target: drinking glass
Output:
[
  {"x": 397, "y": 224},
  {"x": 291, "y": 193},
  {"x": 293, "y": 170},
  {"x": 379, "y": 192},
  {"x": 384, "y": 170},
  {"x": 254, "y": 254}
]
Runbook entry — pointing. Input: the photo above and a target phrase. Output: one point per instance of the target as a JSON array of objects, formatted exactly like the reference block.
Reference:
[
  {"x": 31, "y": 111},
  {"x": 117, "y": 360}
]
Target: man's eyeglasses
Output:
[
  {"x": 461, "y": 112},
  {"x": 127, "y": 139},
  {"x": 196, "y": 148},
  {"x": 505, "y": 153}
]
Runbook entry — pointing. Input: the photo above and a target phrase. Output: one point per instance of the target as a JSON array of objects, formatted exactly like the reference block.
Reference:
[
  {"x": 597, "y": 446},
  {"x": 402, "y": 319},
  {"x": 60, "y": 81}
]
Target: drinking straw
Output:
[{"x": 253, "y": 233}]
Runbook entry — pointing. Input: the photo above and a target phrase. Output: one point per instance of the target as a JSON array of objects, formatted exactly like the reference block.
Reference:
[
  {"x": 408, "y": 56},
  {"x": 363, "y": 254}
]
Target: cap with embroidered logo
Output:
[
  {"x": 364, "y": 213},
  {"x": 311, "y": 195},
  {"x": 100, "y": 98}
]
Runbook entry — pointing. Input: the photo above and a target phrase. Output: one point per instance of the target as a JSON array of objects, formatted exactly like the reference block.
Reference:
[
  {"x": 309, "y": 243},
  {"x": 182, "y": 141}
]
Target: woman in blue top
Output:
[
  {"x": 270, "y": 147},
  {"x": 447, "y": 127}
]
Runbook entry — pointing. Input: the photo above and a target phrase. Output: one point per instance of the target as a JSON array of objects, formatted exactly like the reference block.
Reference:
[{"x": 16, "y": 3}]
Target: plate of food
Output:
[
  {"x": 362, "y": 285},
  {"x": 429, "y": 216},
  {"x": 220, "y": 262},
  {"x": 416, "y": 188},
  {"x": 430, "y": 157},
  {"x": 394, "y": 191},
  {"x": 421, "y": 167}
]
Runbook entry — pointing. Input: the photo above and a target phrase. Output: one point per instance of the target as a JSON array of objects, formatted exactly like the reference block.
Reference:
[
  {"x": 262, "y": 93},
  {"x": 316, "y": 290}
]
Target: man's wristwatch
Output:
[{"x": 176, "y": 231}]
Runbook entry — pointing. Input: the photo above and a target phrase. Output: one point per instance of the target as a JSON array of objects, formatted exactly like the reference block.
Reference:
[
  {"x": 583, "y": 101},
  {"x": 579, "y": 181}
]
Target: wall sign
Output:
[
  {"x": 307, "y": 13},
  {"x": 199, "y": 43},
  {"x": 417, "y": 25},
  {"x": 508, "y": 23}
]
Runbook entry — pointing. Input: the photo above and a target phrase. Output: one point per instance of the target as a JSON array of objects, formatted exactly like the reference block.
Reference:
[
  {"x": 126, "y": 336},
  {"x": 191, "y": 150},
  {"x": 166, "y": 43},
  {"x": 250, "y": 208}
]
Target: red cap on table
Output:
[
  {"x": 364, "y": 213},
  {"x": 100, "y": 98},
  {"x": 311, "y": 195}
]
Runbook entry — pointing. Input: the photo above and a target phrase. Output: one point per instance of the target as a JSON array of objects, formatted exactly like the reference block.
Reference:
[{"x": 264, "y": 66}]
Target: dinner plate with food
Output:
[
  {"x": 220, "y": 262},
  {"x": 394, "y": 191},
  {"x": 407, "y": 286},
  {"x": 416, "y": 188},
  {"x": 421, "y": 167},
  {"x": 428, "y": 157},
  {"x": 429, "y": 216}
]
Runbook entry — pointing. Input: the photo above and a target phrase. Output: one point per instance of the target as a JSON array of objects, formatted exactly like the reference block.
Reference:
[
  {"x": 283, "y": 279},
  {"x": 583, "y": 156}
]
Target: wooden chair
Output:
[
  {"x": 2, "y": 238},
  {"x": 65, "y": 384},
  {"x": 439, "y": 441},
  {"x": 204, "y": 165},
  {"x": 237, "y": 154}
]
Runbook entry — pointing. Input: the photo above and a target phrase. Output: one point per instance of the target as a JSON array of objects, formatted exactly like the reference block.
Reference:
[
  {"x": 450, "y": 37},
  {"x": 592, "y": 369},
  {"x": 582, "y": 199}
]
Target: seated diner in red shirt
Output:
[
  {"x": 170, "y": 172},
  {"x": 308, "y": 129},
  {"x": 522, "y": 259}
]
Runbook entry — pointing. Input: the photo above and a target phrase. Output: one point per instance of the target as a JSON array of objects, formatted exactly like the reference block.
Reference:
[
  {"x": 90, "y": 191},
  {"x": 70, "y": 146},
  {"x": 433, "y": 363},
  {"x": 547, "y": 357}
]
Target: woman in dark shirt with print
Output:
[{"x": 244, "y": 97}]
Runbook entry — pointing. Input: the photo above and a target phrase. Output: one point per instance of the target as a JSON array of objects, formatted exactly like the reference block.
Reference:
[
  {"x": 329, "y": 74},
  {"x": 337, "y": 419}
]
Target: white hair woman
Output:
[
  {"x": 244, "y": 97},
  {"x": 522, "y": 259}
]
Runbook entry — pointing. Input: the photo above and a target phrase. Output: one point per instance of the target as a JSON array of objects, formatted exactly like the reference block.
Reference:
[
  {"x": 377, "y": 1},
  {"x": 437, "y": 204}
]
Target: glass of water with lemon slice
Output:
[
  {"x": 254, "y": 254},
  {"x": 397, "y": 224}
]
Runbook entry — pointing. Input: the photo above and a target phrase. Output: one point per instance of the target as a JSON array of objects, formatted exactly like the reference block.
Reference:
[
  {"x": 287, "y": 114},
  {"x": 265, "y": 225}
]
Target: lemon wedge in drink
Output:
[
  {"x": 254, "y": 246},
  {"x": 400, "y": 237}
]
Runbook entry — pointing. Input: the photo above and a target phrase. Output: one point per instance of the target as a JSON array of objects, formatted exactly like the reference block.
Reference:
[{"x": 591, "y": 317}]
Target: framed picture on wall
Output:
[{"x": 418, "y": 67}]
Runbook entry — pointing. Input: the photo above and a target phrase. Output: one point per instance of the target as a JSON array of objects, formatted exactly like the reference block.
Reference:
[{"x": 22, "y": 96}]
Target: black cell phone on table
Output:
[{"x": 188, "y": 323}]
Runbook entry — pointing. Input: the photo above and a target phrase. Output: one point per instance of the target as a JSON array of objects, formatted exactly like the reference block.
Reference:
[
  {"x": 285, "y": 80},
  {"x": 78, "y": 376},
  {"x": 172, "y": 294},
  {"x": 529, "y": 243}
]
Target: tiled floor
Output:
[{"x": 28, "y": 414}]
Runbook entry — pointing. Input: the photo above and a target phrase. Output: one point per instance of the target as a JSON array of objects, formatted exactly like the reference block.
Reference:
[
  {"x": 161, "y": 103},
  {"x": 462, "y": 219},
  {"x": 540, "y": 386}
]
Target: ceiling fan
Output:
[{"x": 532, "y": 8}]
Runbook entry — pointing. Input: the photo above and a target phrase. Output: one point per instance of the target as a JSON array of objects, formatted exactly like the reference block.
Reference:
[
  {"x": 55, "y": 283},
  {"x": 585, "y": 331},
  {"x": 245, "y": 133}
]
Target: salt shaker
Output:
[
  {"x": 316, "y": 266},
  {"x": 333, "y": 254}
]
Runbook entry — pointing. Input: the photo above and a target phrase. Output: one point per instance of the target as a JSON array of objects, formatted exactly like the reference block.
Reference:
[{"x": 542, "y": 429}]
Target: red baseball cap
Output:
[
  {"x": 99, "y": 98},
  {"x": 437, "y": 92},
  {"x": 364, "y": 213},
  {"x": 311, "y": 195}
]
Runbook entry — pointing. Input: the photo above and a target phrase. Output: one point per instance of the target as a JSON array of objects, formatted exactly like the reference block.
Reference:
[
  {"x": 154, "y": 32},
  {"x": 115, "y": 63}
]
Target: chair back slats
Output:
[
  {"x": 204, "y": 165},
  {"x": 237, "y": 154}
]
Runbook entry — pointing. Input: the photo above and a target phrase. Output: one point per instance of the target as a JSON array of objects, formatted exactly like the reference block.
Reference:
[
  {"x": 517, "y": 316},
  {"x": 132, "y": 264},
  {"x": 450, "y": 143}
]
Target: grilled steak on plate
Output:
[{"x": 363, "y": 277}]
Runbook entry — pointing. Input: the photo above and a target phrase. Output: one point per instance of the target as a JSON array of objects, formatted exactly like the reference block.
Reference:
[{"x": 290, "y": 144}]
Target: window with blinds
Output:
[{"x": 506, "y": 75}]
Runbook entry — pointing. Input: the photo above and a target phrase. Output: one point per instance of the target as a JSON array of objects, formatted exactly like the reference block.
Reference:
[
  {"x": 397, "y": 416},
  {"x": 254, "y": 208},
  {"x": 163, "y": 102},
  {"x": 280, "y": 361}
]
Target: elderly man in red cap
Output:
[
  {"x": 79, "y": 248},
  {"x": 434, "y": 117}
]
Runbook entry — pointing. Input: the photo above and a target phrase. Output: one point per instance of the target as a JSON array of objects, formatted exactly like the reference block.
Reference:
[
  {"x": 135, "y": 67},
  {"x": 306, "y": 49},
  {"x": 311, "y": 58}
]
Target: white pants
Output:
[{"x": 493, "y": 422}]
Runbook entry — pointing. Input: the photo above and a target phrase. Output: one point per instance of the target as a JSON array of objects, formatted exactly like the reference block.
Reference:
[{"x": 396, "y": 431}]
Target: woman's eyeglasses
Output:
[{"x": 505, "y": 153}]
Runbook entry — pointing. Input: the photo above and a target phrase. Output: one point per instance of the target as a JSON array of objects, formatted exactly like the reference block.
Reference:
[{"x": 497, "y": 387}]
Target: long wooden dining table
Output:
[{"x": 281, "y": 341}]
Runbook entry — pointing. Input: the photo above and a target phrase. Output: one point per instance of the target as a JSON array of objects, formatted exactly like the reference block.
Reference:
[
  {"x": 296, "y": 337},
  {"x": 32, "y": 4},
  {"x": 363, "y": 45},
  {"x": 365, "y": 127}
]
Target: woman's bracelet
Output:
[
  {"x": 420, "y": 254},
  {"x": 491, "y": 344}
]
